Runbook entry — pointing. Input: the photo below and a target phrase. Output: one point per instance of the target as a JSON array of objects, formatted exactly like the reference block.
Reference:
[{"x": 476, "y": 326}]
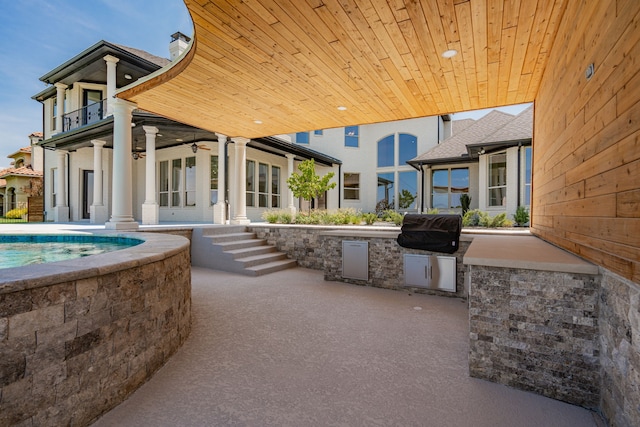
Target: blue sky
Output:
[{"x": 38, "y": 35}]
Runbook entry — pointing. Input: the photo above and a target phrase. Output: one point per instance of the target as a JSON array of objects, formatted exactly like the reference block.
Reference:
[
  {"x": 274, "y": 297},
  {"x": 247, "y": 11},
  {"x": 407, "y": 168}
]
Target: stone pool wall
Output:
[
  {"x": 76, "y": 343},
  {"x": 320, "y": 248},
  {"x": 537, "y": 331}
]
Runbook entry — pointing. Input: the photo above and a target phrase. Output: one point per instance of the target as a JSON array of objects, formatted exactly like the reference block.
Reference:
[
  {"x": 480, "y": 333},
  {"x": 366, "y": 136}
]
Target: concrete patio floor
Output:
[{"x": 290, "y": 349}]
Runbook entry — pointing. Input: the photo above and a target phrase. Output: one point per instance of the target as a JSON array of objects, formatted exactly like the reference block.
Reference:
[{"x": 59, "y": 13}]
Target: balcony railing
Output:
[{"x": 85, "y": 116}]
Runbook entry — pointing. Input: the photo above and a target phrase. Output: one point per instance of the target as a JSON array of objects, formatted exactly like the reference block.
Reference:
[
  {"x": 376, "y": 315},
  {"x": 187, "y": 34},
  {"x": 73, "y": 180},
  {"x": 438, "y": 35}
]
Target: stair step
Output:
[
  {"x": 218, "y": 230},
  {"x": 271, "y": 267},
  {"x": 230, "y": 237},
  {"x": 250, "y": 251},
  {"x": 241, "y": 244},
  {"x": 255, "y": 260}
]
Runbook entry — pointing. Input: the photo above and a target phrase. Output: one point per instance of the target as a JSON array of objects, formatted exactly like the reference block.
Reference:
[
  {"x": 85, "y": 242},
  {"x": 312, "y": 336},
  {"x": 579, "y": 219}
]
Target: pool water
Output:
[{"x": 21, "y": 250}]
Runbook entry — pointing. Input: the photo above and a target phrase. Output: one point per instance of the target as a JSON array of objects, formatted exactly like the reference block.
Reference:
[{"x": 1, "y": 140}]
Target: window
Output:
[
  {"x": 18, "y": 163},
  {"x": 408, "y": 148},
  {"x": 498, "y": 179},
  {"x": 352, "y": 186},
  {"x": 351, "y": 136},
  {"x": 385, "y": 193},
  {"x": 317, "y": 132},
  {"x": 263, "y": 185},
  {"x": 213, "y": 186},
  {"x": 54, "y": 112},
  {"x": 302, "y": 137},
  {"x": 54, "y": 186},
  {"x": 407, "y": 189},
  {"x": 176, "y": 183},
  {"x": 251, "y": 183},
  {"x": 385, "y": 151},
  {"x": 447, "y": 187},
  {"x": 527, "y": 176},
  {"x": 164, "y": 183},
  {"x": 275, "y": 187},
  {"x": 190, "y": 181}
]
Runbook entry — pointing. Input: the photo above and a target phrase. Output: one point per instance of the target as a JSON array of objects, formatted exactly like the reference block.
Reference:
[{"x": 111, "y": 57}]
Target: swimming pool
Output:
[{"x": 21, "y": 250}]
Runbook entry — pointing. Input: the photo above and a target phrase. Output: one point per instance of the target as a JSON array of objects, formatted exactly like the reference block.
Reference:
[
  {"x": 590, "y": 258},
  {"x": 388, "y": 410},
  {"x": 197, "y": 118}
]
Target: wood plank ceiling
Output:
[{"x": 291, "y": 63}]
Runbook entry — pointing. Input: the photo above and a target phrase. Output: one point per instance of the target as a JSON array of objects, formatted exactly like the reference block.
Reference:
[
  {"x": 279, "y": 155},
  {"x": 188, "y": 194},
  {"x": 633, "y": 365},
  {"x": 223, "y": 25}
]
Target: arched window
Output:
[
  {"x": 385, "y": 151},
  {"x": 19, "y": 163},
  {"x": 408, "y": 148}
]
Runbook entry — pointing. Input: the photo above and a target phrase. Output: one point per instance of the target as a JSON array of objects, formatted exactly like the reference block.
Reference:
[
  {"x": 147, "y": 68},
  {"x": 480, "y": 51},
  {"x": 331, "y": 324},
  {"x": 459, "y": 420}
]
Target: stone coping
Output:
[
  {"x": 375, "y": 234},
  {"x": 155, "y": 247},
  {"x": 526, "y": 252}
]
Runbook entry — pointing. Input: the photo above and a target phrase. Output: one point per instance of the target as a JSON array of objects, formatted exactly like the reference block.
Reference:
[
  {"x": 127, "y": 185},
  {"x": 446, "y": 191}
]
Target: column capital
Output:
[
  {"x": 111, "y": 58},
  {"x": 98, "y": 142},
  {"x": 63, "y": 152},
  {"x": 290, "y": 156},
  {"x": 240, "y": 140},
  {"x": 60, "y": 86},
  {"x": 150, "y": 130},
  {"x": 122, "y": 105},
  {"x": 221, "y": 137}
]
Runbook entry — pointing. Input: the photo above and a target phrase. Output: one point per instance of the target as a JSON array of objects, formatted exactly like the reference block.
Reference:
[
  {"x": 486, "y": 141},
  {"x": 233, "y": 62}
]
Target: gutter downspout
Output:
[
  {"x": 519, "y": 175},
  {"x": 422, "y": 188},
  {"x": 339, "y": 186},
  {"x": 69, "y": 184},
  {"x": 226, "y": 180}
]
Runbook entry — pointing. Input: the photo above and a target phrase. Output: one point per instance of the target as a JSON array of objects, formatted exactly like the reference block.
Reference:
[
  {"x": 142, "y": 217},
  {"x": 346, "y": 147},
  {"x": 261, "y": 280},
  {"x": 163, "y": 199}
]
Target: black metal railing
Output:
[{"x": 85, "y": 116}]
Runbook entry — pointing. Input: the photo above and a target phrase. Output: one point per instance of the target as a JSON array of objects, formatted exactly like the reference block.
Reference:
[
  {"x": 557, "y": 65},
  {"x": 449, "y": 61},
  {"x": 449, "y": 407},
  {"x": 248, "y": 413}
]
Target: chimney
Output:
[{"x": 179, "y": 43}]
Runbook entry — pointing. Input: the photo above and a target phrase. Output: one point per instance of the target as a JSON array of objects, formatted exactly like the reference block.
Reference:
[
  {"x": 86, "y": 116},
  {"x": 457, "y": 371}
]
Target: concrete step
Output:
[
  {"x": 255, "y": 260},
  {"x": 241, "y": 244},
  {"x": 270, "y": 267},
  {"x": 222, "y": 229},
  {"x": 230, "y": 237},
  {"x": 251, "y": 251}
]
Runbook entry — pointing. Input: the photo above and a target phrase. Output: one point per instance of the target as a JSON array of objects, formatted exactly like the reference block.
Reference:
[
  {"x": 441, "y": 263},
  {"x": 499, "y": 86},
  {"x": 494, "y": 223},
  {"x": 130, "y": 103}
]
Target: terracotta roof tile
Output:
[{"x": 22, "y": 171}]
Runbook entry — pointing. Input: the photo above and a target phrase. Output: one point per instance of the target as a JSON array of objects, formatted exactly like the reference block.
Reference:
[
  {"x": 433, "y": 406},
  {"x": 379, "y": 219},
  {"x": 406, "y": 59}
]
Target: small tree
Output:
[
  {"x": 307, "y": 184},
  {"x": 405, "y": 199}
]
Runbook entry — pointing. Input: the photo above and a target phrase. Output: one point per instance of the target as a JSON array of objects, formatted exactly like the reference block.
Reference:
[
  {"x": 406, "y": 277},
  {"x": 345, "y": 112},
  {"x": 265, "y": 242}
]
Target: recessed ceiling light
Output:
[
  {"x": 179, "y": 139},
  {"x": 449, "y": 53},
  {"x": 342, "y": 108},
  {"x": 258, "y": 122},
  {"x": 128, "y": 76}
]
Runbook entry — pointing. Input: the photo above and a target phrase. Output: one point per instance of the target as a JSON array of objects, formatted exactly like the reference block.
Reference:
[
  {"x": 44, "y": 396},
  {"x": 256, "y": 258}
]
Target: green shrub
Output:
[
  {"x": 465, "y": 202},
  {"x": 433, "y": 211},
  {"x": 16, "y": 213},
  {"x": 475, "y": 218},
  {"x": 498, "y": 220},
  {"x": 390, "y": 215},
  {"x": 369, "y": 218},
  {"x": 285, "y": 217},
  {"x": 271, "y": 216},
  {"x": 521, "y": 217}
]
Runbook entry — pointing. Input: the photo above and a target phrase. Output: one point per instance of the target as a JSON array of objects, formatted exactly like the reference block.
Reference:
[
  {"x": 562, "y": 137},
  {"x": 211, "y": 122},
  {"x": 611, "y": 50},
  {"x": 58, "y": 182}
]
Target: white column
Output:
[
  {"x": 290, "y": 171},
  {"x": 111, "y": 81},
  {"x": 97, "y": 210},
  {"x": 61, "y": 209},
  {"x": 240, "y": 213},
  {"x": 122, "y": 187},
  {"x": 220, "y": 208},
  {"x": 60, "y": 92},
  {"x": 150, "y": 209}
]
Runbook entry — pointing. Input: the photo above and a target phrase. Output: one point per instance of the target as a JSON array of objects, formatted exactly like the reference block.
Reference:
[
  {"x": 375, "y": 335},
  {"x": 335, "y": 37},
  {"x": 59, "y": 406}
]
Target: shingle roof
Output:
[
  {"x": 494, "y": 127},
  {"x": 458, "y": 126},
  {"x": 145, "y": 55}
]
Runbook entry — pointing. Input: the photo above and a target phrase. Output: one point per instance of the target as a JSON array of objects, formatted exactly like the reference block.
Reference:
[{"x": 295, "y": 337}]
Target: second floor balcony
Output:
[{"x": 89, "y": 114}]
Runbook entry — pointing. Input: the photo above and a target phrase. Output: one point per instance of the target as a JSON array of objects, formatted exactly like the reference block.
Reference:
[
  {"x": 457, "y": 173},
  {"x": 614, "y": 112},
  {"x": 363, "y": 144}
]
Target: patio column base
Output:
[
  {"x": 61, "y": 214},
  {"x": 240, "y": 221},
  {"x": 220, "y": 213},
  {"x": 150, "y": 213},
  {"x": 98, "y": 214},
  {"x": 121, "y": 225}
]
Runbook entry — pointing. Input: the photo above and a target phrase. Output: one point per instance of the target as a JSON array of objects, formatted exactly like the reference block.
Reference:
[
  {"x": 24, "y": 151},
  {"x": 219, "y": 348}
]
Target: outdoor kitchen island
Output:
[{"x": 534, "y": 318}]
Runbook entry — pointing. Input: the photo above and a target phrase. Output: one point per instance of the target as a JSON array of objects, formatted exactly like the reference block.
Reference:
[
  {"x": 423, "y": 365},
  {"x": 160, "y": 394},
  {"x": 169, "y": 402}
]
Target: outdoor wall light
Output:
[
  {"x": 135, "y": 155},
  {"x": 128, "y": 76},
  {"x": 481, "y": 150},
  {"x": 194, "y": 147}
]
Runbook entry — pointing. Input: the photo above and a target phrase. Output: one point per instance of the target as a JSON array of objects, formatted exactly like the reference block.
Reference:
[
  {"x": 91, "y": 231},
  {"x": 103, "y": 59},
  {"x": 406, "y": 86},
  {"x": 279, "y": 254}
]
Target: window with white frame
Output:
[
  {"x": 54, "y": 112},
  {"x": 386, "y": 151},
  {"x": 352, "y": 186},
  {"x": 251, "y": 183},
  {"x": 386, "y": 190},
  {"x": 176, "y": 182},
  {"x": 54, "y": 186},
  {"x": 317, "y": 132},
  {"x": 263, "y": 185},
  {"x": 447, "y": 185},
  {"x": 213, "y": 186},
  {"x": 407, "y": 148},
  {"x": 302, "y": 137},
  {"x": 275, "y": 187},
  {"x": 497, "y": 179},
  {"x": 407, "y": 190},
  {"x": 163, "y": 187},
  {"x": 351, "y": 136},
  {"x": 190, "y": 181},
  {"x": 527, "y": 176}
]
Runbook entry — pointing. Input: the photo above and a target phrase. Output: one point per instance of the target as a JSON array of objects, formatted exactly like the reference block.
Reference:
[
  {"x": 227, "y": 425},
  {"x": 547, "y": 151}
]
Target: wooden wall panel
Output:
[{"x": 586, "y": 165}]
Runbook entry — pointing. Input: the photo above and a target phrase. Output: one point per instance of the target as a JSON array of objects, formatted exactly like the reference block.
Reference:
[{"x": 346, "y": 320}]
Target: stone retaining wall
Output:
[
  {"x": 75, "y": 347},
  {"x": 620, "y": 350},
  {"x": 536, "y": 331},
  {"x": 314, "y": 247}
]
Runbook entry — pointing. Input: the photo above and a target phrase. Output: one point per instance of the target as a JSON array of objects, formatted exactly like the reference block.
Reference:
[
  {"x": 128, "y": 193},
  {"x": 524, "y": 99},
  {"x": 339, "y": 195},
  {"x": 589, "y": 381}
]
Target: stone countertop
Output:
[{"x": 526, "y": 252}]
